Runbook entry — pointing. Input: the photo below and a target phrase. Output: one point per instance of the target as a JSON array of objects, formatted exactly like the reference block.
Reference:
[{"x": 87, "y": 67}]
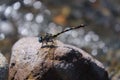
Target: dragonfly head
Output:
[{"x": 40, "y": 39}]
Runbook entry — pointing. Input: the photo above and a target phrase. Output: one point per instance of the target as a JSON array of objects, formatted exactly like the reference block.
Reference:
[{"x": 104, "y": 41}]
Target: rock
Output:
[
  {"x": 3, "y": 67},
  {"x": 30, "y": 61}
]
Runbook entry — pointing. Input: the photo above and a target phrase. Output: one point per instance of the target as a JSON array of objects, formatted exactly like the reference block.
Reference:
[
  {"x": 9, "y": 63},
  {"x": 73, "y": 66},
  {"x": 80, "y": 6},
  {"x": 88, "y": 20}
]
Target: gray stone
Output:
[{"x": 3, "y": 67}]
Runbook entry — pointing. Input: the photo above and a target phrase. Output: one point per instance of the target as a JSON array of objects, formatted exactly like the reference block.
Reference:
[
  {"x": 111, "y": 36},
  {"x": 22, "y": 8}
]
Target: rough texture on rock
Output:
[
  {"x": 31, "y": 61},
  {"x": 3, "y": 67}
]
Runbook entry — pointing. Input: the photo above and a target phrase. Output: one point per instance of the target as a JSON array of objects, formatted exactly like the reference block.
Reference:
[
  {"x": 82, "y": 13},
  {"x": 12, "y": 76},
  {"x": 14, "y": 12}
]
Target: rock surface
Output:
[
  {"x": 3, "y": 67},
  {"x": 30, "y": 61}
]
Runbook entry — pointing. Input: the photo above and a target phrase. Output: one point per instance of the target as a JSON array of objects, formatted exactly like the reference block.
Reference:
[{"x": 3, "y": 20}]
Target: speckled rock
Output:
[
  {"x": 3, "y": 67},
  {"x": 32, "y": 61}
]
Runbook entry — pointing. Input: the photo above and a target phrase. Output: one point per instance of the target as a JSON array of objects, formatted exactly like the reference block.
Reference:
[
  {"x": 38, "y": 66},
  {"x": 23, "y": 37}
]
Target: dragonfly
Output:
[{"x": 50, "y": 37}]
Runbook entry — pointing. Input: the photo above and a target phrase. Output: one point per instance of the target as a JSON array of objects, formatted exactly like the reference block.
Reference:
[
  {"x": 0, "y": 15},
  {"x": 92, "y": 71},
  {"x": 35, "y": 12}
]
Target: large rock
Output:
[
  {"x": 30, "y": 61},
  {"x": 3, "y": 67}
]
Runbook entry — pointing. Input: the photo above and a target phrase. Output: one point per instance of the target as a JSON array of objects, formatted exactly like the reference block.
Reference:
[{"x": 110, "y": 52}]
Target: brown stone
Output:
[{"x": 58, "y": 61}]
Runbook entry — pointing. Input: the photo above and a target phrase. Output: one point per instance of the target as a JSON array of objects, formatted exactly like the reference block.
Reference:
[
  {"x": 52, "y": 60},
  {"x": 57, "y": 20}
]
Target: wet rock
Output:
[
  {"x": 3, "y": 67},
  {"x": 32, "y": 61}
]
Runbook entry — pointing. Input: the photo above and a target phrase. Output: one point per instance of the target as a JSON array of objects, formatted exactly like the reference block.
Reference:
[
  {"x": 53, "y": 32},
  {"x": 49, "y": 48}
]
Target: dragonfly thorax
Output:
[{"x": 46, "y": 38}]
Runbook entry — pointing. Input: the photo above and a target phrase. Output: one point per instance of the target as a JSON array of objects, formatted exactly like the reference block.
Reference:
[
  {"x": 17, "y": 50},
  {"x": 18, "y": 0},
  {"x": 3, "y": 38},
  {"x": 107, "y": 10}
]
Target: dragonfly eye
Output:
[{"x": 40, "y": 39}]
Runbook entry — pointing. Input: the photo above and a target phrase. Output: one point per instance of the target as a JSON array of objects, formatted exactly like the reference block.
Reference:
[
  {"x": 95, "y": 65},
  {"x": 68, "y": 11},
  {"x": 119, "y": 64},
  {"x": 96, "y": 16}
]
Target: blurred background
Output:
[{"x": 23, "y": 18}]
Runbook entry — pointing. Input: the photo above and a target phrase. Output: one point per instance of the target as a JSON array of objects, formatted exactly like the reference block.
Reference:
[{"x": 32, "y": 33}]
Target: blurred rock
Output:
[
  {"x": 6, "y": 28},
  {"x": 30, "y": 61},
  {"x": 3, "y": 1},
  {"x": 3, "y": 67},
  {"x": 116, "y": 76}
]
